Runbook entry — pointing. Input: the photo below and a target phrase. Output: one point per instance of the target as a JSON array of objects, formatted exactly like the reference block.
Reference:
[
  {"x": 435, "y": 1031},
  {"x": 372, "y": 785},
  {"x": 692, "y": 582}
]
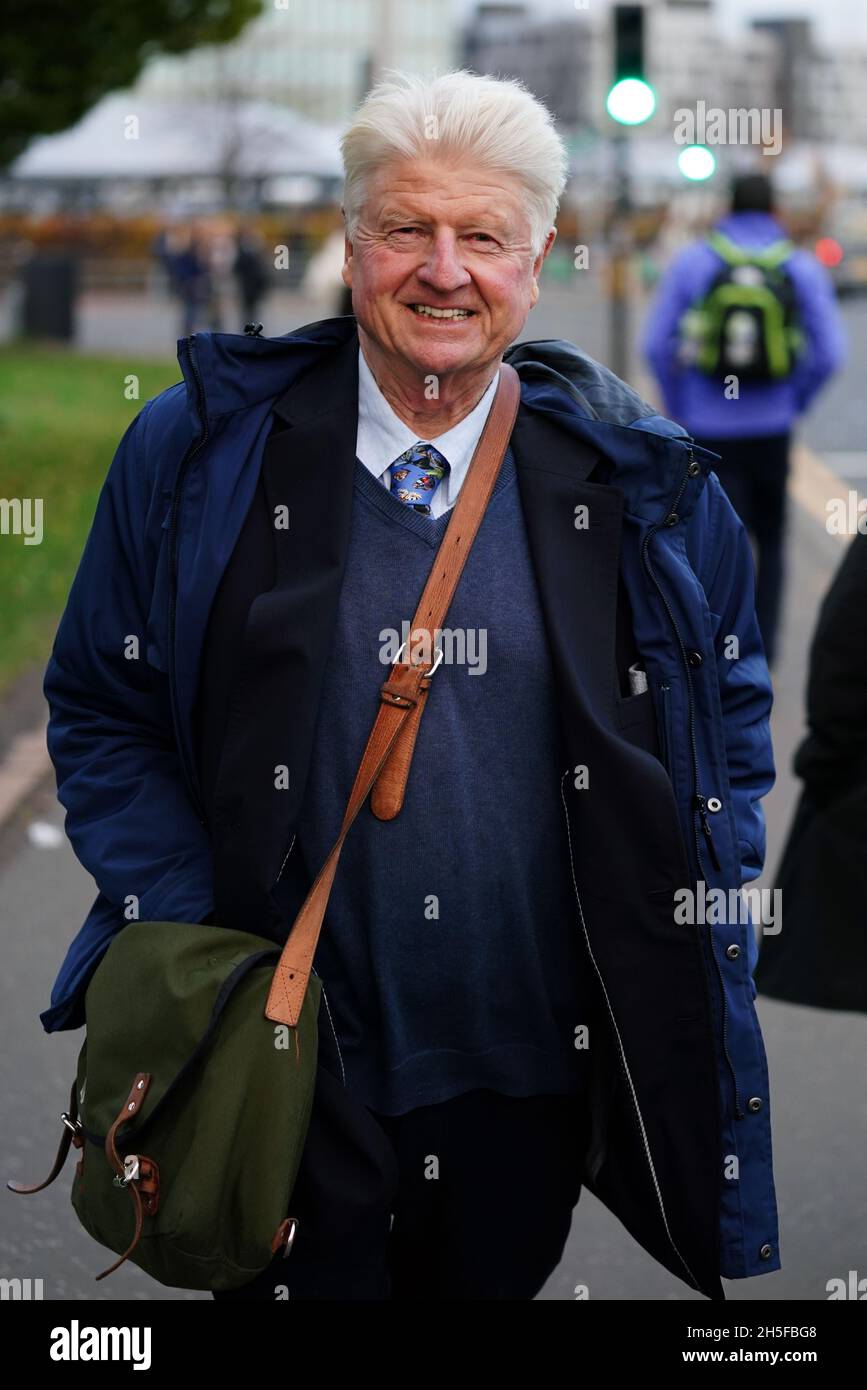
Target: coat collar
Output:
[{"x": 641, "y": 453}]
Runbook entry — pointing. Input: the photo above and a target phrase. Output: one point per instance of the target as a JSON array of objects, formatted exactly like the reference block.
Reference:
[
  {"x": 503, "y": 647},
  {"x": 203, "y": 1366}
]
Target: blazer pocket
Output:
[{"x": 636, "y": 717}]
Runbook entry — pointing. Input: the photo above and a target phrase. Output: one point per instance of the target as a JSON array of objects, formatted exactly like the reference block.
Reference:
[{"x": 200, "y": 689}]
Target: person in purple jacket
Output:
[{"x": 738, "y": 377}]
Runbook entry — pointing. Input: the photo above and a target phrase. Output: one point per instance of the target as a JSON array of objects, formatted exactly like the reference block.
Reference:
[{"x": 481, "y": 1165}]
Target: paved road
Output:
[
  {"x": 836, "y": 425},
  {"x": 815, "y": 1058}
]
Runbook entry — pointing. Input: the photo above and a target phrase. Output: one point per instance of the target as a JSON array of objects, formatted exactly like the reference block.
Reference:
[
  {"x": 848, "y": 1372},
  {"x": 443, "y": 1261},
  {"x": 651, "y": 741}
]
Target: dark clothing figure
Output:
[
  {"x": 754, "y": 473},
  {"x": 678, "y": 765},
  {"x": 189, "y": 275},
  {"x": 251, "y": 275},
  {"x": 820, "y": 956}
]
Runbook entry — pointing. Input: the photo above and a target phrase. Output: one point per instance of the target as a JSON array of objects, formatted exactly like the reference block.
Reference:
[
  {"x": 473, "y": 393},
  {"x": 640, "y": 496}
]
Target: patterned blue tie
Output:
[{"x": 416, "y": 475}]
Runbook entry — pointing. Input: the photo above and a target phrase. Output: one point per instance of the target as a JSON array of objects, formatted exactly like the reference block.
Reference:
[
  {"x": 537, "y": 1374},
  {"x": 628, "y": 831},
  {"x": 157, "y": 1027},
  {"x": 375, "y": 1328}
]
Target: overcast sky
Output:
[{"x": 835, "y": 20}]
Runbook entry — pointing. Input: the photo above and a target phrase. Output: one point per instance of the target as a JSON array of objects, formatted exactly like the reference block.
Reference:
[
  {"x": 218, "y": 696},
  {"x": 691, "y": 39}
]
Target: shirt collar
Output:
[{"x": 383, "y": 436}]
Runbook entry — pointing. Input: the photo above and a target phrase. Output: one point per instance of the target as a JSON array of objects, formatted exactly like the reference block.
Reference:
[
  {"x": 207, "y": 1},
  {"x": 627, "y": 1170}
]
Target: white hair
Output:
[{"x": 495, "y": 122}]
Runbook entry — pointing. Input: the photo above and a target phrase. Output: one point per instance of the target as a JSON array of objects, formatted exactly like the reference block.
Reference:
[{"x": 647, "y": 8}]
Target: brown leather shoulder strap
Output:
[
  {"x": 386, "y": 799},
  {"x": 402, "y": 696}
]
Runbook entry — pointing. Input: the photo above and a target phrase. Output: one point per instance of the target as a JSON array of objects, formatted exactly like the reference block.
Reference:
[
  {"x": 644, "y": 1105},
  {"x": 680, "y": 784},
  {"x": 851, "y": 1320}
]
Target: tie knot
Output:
[{"x": 417, "y": 474}]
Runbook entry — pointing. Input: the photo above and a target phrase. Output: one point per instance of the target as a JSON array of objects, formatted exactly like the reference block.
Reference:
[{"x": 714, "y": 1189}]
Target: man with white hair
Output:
[{"x": 511, "y": 1008}]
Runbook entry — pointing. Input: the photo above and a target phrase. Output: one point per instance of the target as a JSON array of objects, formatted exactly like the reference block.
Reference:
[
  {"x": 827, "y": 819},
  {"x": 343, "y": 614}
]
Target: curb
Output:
[
  {"x": 24, "y": 760},
  {"x": 25, "y": 765}
]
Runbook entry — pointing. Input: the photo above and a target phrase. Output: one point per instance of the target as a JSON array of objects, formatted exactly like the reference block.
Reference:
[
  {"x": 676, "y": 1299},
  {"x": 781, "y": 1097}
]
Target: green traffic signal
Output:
[
  {"x": 631, "y": 101},
  {"x": 696, "y": 162}
]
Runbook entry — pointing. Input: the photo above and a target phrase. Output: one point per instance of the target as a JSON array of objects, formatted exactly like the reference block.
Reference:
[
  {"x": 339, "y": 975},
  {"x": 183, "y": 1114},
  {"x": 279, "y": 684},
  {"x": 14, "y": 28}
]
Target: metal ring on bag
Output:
[{"x": 290, "y": 1239}]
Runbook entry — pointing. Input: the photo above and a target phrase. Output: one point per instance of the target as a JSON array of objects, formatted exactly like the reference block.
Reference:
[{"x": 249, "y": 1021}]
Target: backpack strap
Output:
[
  {"x": 777, "y": 253},
  {"x": 402, "y": 698},
  {"x": 768, "y": 258}
]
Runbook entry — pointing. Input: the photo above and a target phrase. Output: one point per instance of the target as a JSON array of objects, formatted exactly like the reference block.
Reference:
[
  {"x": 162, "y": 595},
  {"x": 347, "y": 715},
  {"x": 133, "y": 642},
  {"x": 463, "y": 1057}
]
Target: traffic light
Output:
[
  {"x": 696, "y": 163},
  {"x": 631, "y": 99},
  {"x": 628, "y": 41}
]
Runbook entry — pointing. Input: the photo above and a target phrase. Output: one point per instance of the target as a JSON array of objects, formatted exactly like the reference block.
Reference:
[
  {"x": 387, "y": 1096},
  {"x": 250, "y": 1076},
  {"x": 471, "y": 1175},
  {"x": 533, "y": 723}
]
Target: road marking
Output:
[
  {"x": 812, "y": 484},
  {"x": 845, "y": 464}
]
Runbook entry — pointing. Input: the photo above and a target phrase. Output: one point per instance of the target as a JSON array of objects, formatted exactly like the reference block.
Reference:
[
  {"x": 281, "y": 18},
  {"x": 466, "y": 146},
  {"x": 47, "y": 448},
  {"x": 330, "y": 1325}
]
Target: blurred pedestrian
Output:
[
  {"x": 820, "y": 956},
  {"x": 184, "y": 254},
  {"x": 222, "y": 249},
  {"x": 743, "y": 333},
  {"x": 250, "y": 271}
]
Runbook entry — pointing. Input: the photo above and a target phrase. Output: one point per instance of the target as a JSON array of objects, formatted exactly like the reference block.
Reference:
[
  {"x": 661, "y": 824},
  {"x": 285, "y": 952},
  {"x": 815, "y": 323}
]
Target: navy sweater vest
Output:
[{"x": 451, "y": 953}]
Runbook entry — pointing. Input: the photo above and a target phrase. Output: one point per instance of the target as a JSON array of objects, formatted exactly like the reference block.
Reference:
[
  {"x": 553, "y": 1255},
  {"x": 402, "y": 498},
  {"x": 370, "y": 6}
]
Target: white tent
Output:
[{"x": 127, "y": 136}]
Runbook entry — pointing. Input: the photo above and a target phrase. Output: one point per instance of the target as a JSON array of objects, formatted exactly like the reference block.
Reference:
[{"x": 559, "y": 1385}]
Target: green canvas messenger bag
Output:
[{"x": 195, "y": 1082}]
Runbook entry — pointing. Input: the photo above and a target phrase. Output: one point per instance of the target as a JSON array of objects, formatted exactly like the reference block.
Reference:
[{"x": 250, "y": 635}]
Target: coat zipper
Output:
[
  {"x": 190, "y": 454},
  {"x": 666, "y": 730},
  {"x": 285, "y": 857},
  {"x": 623, "y": 1061},
  {"x": 699, "y": 801},
  {"x": 333, "y": 1030}
]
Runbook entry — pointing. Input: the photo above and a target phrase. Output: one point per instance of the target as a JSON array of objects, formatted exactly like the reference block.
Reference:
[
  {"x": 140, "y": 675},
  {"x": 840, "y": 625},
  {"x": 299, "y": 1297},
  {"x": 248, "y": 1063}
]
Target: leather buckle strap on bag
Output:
[
  {"x": 72, "y": 1135},
  {"x": 386, "y": 760},
  {"x": 137, "y": 1173}
]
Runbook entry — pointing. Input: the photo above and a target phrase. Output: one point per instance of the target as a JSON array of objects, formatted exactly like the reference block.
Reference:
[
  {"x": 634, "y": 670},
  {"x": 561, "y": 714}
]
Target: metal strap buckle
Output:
[
  {"x": 131, "y": 1171},
  {"x": 439, "y": 652}
]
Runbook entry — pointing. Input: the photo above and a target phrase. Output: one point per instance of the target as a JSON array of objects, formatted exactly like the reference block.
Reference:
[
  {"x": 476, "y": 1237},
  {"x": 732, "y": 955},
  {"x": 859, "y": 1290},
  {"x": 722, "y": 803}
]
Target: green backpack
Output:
[
  {"x": 746, "y": 324},
  {"x": 187, "y": 1163}
]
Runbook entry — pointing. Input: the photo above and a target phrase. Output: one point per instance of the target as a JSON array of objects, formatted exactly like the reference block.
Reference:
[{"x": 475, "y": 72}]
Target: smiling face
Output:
[{"x": 442, "y": 270}]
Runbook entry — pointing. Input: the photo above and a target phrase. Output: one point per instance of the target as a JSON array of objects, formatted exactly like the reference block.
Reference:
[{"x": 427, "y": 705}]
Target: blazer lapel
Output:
[{"x": 307, "y": 478}]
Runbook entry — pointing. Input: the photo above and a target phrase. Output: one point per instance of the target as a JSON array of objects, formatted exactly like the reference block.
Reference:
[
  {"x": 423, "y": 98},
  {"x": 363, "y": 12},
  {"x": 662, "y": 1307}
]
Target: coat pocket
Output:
[{"x": 663, "y": 725}]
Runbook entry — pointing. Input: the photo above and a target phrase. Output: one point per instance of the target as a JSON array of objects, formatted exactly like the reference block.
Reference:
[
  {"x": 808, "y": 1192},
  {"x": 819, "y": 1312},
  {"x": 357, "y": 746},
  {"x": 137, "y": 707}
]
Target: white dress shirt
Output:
[{"x": 382, "y": 437}]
